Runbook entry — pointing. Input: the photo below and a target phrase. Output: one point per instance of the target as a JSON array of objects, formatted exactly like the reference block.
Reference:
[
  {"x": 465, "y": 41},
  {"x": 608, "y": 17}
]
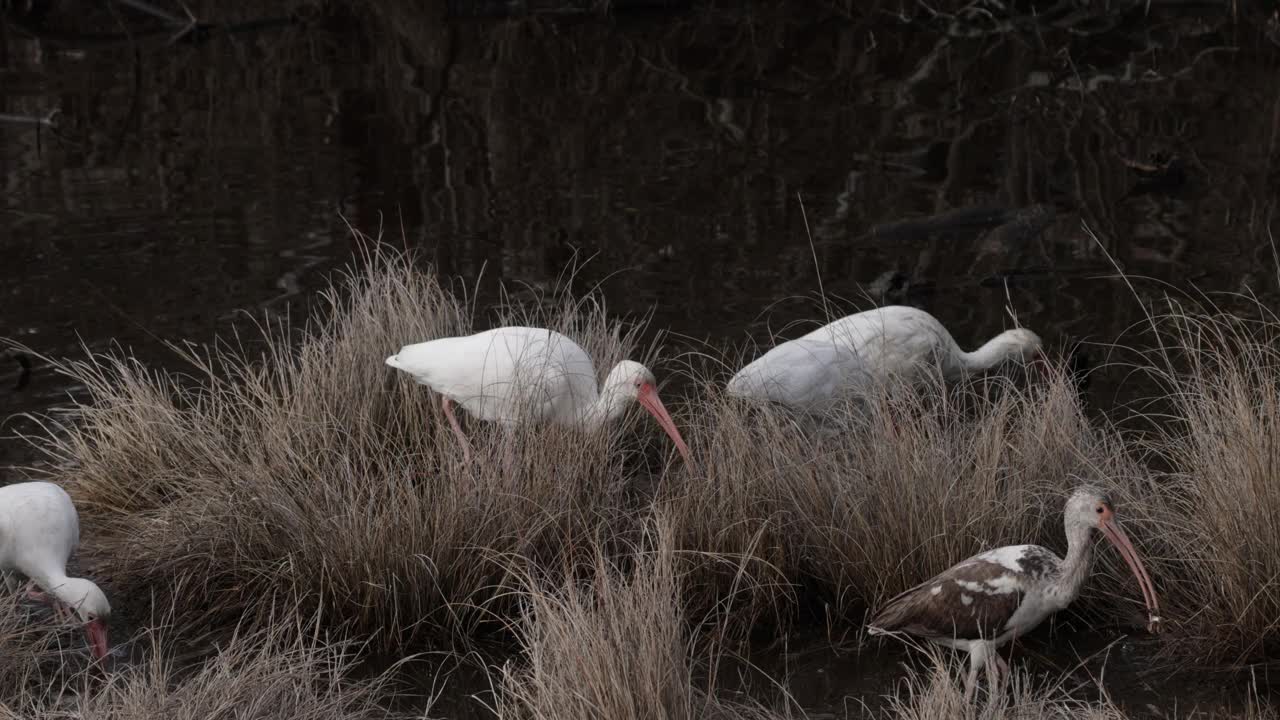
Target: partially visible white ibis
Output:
[
  {"x": 512, "y": 375},
  {"x": 851, "y": 354},
  {"x": 39, "y": 528},
  {"x": 992, "y": 598}
]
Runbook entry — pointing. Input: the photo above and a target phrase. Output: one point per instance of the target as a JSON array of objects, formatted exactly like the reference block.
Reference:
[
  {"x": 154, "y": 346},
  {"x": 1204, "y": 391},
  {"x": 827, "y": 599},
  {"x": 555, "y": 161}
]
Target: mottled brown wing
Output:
[{"x": 972, "y": 600}]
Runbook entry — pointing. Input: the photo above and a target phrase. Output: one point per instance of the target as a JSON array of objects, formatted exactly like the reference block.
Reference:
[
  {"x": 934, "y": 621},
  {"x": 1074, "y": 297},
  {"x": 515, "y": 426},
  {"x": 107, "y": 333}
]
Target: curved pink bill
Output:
[
  {"x": 648, "y": 397},
  {"x": 1111, "y": 528},
  {"x": 97, "y": 632}
]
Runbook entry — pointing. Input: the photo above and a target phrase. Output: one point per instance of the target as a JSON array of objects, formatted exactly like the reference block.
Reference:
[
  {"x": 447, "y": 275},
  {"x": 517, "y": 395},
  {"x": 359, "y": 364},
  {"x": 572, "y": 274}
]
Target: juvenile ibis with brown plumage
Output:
[
  {"x": 992, "y": 598},
  {"x": 39, "y": 528},
  {"x": 513, "y": 375}
]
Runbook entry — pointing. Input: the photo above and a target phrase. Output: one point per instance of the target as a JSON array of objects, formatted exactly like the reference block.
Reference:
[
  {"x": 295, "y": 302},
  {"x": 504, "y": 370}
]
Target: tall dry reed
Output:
[
  {"x": 1216, "y": 429},
  {"x": 613, "y": 644}
]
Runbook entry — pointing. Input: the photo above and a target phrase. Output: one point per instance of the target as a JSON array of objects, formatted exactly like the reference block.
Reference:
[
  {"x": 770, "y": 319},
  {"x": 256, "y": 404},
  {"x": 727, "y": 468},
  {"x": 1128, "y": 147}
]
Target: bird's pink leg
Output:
[
  {"x": 971, "y": 680},
  {"x": 447, "y": 404},
  {"x": 983, "y": 653},
  {"x": 995, "y": 685}
]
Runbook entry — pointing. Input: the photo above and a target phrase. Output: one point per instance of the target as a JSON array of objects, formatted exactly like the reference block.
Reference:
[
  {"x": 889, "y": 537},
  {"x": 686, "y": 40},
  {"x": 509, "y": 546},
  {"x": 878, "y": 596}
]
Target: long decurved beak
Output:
[
  {"x": 648, "y": 397},
  {"x": 96, "y": 630},
  {"x": 1111, "y": 529}
]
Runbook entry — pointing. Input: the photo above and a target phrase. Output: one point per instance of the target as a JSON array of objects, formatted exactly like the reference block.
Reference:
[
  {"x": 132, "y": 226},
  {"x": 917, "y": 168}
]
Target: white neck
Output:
[
  {"x": 609, "y": 405},
  {"x": 50, "y": 581},
  {"x": 56, "y": 584},
  {"x": 1075, "y": 568},
  {"x": 992, "y": 353}
]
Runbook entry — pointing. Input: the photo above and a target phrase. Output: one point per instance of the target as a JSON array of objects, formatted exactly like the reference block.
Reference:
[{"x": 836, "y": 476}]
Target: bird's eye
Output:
[{"x": 1099, "y": 509}]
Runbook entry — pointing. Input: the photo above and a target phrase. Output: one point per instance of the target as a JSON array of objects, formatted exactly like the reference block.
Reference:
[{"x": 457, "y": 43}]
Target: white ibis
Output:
[
  {"x": 992, "y": 598},
  {"x": 38, "y": 530},
  {"x": 512, "y": 375},
  {"x": 810, "y": 373}
]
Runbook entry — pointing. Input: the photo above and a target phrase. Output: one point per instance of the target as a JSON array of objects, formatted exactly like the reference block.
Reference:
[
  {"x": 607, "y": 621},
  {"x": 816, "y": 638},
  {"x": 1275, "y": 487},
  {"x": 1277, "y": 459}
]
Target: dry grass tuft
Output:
[
  {"x": 269, "y": 674},
  {"x": 908, "y": 485},
  {"x": 936, "y": 694},
  {"x": 300, "y": 473},
  {"x": 311, "y": 475},
  {"x": 739, "y": 567},
  {"x": 260, "y": 675},
  {"x": 613, "y": 646},
  {"x": 37, "y": 656},
  {"x": 1220, "y": 502}
]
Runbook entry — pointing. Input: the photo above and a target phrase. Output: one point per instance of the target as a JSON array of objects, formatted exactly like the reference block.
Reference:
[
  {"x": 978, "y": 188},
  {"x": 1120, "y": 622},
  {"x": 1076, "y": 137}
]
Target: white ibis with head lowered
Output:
[
  {"x": 992, "y": 598},
  {"x": 812, "y": 372},
  {"x": 513, "y": 375},
  {"x": 39, "y": 528}
]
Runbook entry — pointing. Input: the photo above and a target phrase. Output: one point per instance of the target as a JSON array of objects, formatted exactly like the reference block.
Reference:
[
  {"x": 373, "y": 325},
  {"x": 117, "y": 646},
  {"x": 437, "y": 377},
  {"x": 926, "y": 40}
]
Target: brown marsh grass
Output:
[
  {"x": 297, "y": 471},
  {"x": 1219, "y": 377},
  {"x": 308, "y": 474},
  {"x": 900, "y": 488},
  {"x": 37, "y": 656},
  {"x": 265, "y": 674},
  {"x": 613, "y": 645},
  {"x": 936, "y": 693},
  {"x": 262, "y": 675}
]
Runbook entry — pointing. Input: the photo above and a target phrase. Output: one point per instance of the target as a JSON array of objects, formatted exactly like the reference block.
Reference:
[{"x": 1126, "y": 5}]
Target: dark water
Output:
[
  {"x": 715, "y": 165},
  {"x": 842, "y": 678}
]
